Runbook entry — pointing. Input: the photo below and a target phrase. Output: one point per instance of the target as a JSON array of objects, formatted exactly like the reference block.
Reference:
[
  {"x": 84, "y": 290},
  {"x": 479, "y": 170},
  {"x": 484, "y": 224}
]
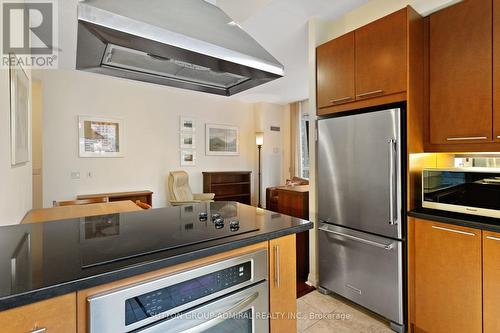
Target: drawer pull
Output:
[
  {"x": 39, "y": 330},
  {"x": 358, "y": 239},
  {"x": 467, "y": 138},
  {"x": 338, "y": 100},
  {"x": 498, "y": 136},
  {"x": 493, "y": 238},
  {"x": 455, "y": 231},
  {"x": 367, "y": 94}
]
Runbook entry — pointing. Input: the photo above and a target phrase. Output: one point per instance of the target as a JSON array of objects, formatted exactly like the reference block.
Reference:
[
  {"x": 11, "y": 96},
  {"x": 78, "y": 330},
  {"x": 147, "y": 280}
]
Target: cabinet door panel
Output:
[
  {"x": 448, "y": 282},
  {"x": 282, "y": 284},
  {"x": 335, "y": 71},
  {"x": 460, "y": 73},
  {"x": 491, "y": 281},
  {"x": 496, "y": 69},
  {"x": 381, "y": 56}
]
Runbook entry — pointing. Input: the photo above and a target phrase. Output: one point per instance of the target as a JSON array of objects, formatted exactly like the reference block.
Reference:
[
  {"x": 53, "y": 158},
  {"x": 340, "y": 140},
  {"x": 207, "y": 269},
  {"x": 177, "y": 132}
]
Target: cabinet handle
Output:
[
  {"x": 493, "y": 238},
  {"x": 338, "y": 100},
  {"x": 453, "y": 230},
  {"x": 277, "y": 264},
  {"x": 375, "y": 92},
  {"x": 498, "y": 136},
  {"x": 39, "y": 330},
  {"x": 467, "y": 138}
]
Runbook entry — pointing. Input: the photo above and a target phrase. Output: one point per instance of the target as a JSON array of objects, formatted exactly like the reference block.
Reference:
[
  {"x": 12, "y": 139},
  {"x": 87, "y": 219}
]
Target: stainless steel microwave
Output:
[{"x": 463, "y": 190}]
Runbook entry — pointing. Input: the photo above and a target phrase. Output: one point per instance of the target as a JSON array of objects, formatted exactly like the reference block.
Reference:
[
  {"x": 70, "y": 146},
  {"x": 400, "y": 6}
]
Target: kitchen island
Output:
[{"x": 50, "y": 270}]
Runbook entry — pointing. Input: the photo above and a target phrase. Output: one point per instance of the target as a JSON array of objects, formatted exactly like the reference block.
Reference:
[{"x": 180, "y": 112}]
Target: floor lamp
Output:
[{"x": 259, "y": 140}]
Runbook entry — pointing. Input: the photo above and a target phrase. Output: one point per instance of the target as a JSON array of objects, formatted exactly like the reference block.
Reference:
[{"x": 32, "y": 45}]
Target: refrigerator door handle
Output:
[
  {"x": 358, "y": 239},
  {"x": 392, "y": 181}
]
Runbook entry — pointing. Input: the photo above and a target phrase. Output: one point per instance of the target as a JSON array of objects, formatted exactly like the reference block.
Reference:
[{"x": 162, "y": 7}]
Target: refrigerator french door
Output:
[{"x": 360, "y": 210}]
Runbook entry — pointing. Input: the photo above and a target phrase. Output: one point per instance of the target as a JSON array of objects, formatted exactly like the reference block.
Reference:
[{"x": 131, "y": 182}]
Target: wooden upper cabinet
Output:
[
  {"x": 381, "y": 56},
  {"x": 496, "y": 69},
  {"x": 491, "y": 281},
  {"x": 335, "y": 71},
  {"x": 448, "y": 280},
  {"x": 460, "y": 73}
]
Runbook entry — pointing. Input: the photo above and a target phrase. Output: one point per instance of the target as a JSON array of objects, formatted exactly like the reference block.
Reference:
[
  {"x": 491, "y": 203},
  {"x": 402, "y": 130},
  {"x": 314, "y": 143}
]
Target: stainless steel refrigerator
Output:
[{"x": 360, "y": 198}]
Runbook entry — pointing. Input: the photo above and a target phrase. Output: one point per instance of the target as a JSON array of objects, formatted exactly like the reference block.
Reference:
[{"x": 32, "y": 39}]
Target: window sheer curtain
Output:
[{"x": 295, "y": 119}]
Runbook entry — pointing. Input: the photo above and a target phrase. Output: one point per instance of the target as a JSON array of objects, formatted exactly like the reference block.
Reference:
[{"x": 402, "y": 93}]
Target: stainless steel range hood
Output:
[{"x": 189, "y": 44}]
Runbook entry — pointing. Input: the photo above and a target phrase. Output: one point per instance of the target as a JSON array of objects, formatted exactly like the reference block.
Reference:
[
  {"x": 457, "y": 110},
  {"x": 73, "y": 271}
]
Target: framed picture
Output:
[
  {"x": 100, "y": 137},
  {"x": 187, "y": 140},
  {"x": 222, "y": 140},
  {"x": 188, "y": 157},
  {"x": 187, "y": 124},
  {"x": 19, "y": 115}
]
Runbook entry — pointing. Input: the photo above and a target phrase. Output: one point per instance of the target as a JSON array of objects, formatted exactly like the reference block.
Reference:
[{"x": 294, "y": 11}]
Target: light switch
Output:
[{"x": 75, "y": 175}]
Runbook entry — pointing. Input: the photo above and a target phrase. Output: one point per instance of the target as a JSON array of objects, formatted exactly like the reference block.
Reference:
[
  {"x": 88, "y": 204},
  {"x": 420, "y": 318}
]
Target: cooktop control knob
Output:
[
  {"x": 219, "y": 221},
  {"x": 203, "y": 217},
  {"x": 234, "y": 225},
  {"x": 215, "y": 216}
]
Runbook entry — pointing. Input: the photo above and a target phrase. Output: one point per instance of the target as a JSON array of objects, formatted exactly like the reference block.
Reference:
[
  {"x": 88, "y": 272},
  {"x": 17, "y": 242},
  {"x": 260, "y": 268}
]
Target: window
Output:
[{"x": 304, "y": 140}]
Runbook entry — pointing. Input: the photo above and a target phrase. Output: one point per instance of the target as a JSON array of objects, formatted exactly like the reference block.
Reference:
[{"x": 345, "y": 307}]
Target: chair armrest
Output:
[
  {"x": 204, "y": 196},
  {"x": 181, "y": 203}
]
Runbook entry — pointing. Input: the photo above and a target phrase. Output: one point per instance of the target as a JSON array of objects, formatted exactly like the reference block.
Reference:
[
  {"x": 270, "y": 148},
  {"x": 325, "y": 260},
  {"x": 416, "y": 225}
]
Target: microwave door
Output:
[{"x": 359, "y": 172}]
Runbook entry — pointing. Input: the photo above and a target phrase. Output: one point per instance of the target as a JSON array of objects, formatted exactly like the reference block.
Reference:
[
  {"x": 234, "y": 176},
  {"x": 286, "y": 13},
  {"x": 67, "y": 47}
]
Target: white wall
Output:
[
  {"x": 276, "y": 148},
  {"x": 151, "y": 114},
  {"x": 15, "y": 182}
]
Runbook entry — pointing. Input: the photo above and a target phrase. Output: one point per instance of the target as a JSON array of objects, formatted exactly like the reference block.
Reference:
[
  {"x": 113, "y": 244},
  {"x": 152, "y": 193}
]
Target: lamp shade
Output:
[{"x": 259, "y": 138}]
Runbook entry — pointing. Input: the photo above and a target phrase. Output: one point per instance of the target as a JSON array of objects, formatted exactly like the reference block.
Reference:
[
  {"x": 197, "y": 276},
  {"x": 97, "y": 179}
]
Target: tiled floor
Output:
[{"x": 321, "y": 313}]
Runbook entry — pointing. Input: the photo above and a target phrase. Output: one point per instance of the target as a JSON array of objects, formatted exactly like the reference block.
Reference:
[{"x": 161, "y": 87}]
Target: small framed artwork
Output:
[
  {"x": 19, "y": 115},
  {"x": 188, "y": 157},
  {"x": 187, "y": 140},
  {"x": 187, "y": 124},
  {"x": 222, "y": 140},
  {"x": 100, "y": 137}
]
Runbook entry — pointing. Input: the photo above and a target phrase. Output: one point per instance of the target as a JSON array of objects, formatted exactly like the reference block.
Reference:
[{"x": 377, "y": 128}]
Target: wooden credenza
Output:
[
  {"x": 229, "y": 185},
  {"x": 143, "y": 196}
]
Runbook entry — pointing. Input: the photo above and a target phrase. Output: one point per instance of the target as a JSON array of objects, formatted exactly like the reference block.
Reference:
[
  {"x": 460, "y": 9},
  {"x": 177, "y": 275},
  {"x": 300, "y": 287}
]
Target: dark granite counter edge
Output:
[
  {"x": 456, "y": 219},
  {"x": 149, "y": 266}
]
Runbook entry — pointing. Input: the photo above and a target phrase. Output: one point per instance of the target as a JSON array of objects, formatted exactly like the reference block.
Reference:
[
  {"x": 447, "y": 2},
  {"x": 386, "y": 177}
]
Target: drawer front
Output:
[
  {"x": 55, "y": 315},
  {"x": 364, "y": 268}
]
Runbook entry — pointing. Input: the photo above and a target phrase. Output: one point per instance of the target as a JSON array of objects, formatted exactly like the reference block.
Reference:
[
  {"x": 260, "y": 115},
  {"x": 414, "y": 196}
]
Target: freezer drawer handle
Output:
[
  {"x": 358, "y": 239},
  {"x": 392, "y": 182}
]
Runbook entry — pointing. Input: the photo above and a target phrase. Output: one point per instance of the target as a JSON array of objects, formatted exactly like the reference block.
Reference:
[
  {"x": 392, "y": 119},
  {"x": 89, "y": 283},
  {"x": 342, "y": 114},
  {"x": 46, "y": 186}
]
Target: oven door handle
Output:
[{"x": 219, "y": 319}]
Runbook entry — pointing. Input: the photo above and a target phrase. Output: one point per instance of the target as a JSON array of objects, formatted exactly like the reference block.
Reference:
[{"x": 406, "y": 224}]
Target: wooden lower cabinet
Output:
[
  {"x": 491, "y": 282},
  {"x": 447, "y": 278},
  {"x": 56, "y": 315},
  {"x": 282, "y": 285}
]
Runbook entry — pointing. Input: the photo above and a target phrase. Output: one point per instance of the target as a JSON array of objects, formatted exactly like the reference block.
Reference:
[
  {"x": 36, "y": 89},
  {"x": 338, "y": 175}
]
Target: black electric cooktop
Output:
[
  {"x": 111, "y": 238},
  {"x": 43, "y": 260}
]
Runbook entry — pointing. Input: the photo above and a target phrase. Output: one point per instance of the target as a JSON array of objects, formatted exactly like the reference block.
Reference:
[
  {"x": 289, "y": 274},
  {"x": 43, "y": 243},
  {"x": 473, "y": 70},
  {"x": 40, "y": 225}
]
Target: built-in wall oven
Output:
[
  {"x": 226, "y": 296},
  {"x": 463, "y": 190}
]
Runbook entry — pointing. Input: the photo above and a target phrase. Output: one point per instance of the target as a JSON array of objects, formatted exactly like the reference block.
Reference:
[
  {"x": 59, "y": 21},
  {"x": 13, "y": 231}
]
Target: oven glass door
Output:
[{"x": 244, "y": 311}]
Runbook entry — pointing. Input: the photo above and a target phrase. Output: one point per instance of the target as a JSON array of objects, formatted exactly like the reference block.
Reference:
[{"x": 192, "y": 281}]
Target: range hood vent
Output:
[{"x": 189, "y": 44}]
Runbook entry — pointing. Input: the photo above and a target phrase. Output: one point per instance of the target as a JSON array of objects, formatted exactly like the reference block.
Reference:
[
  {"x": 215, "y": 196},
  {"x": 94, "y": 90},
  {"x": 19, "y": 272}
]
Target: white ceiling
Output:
[{"x": 280, "y": 26}]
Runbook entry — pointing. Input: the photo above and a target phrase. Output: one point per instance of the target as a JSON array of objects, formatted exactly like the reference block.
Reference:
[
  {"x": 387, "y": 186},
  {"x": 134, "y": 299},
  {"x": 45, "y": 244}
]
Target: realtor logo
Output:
[{"x": 28, "y": 33}]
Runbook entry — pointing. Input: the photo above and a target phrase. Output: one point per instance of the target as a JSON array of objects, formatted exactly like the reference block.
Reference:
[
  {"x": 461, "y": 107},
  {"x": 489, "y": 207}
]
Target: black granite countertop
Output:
[
  {"x": 464, "y": 220},
  {"x": 44, "y": 260}
]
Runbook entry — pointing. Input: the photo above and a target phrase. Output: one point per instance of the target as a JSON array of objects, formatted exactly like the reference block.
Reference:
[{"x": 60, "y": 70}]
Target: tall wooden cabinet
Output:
[
  {"x": 448, "y": 281},
  {"x": 496, "y": 70},
  {"x": 381, "y": 56},
  {"x": 282, "y": 284},
  {"x": 460, "y": 73},
  {"x": 491, "y": 282},
  {"x": 335, "y": 71}
]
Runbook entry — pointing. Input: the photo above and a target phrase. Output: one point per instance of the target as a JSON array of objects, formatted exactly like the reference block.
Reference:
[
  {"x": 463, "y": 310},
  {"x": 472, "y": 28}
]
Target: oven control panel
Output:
[{"x": 156, "y": 302}]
